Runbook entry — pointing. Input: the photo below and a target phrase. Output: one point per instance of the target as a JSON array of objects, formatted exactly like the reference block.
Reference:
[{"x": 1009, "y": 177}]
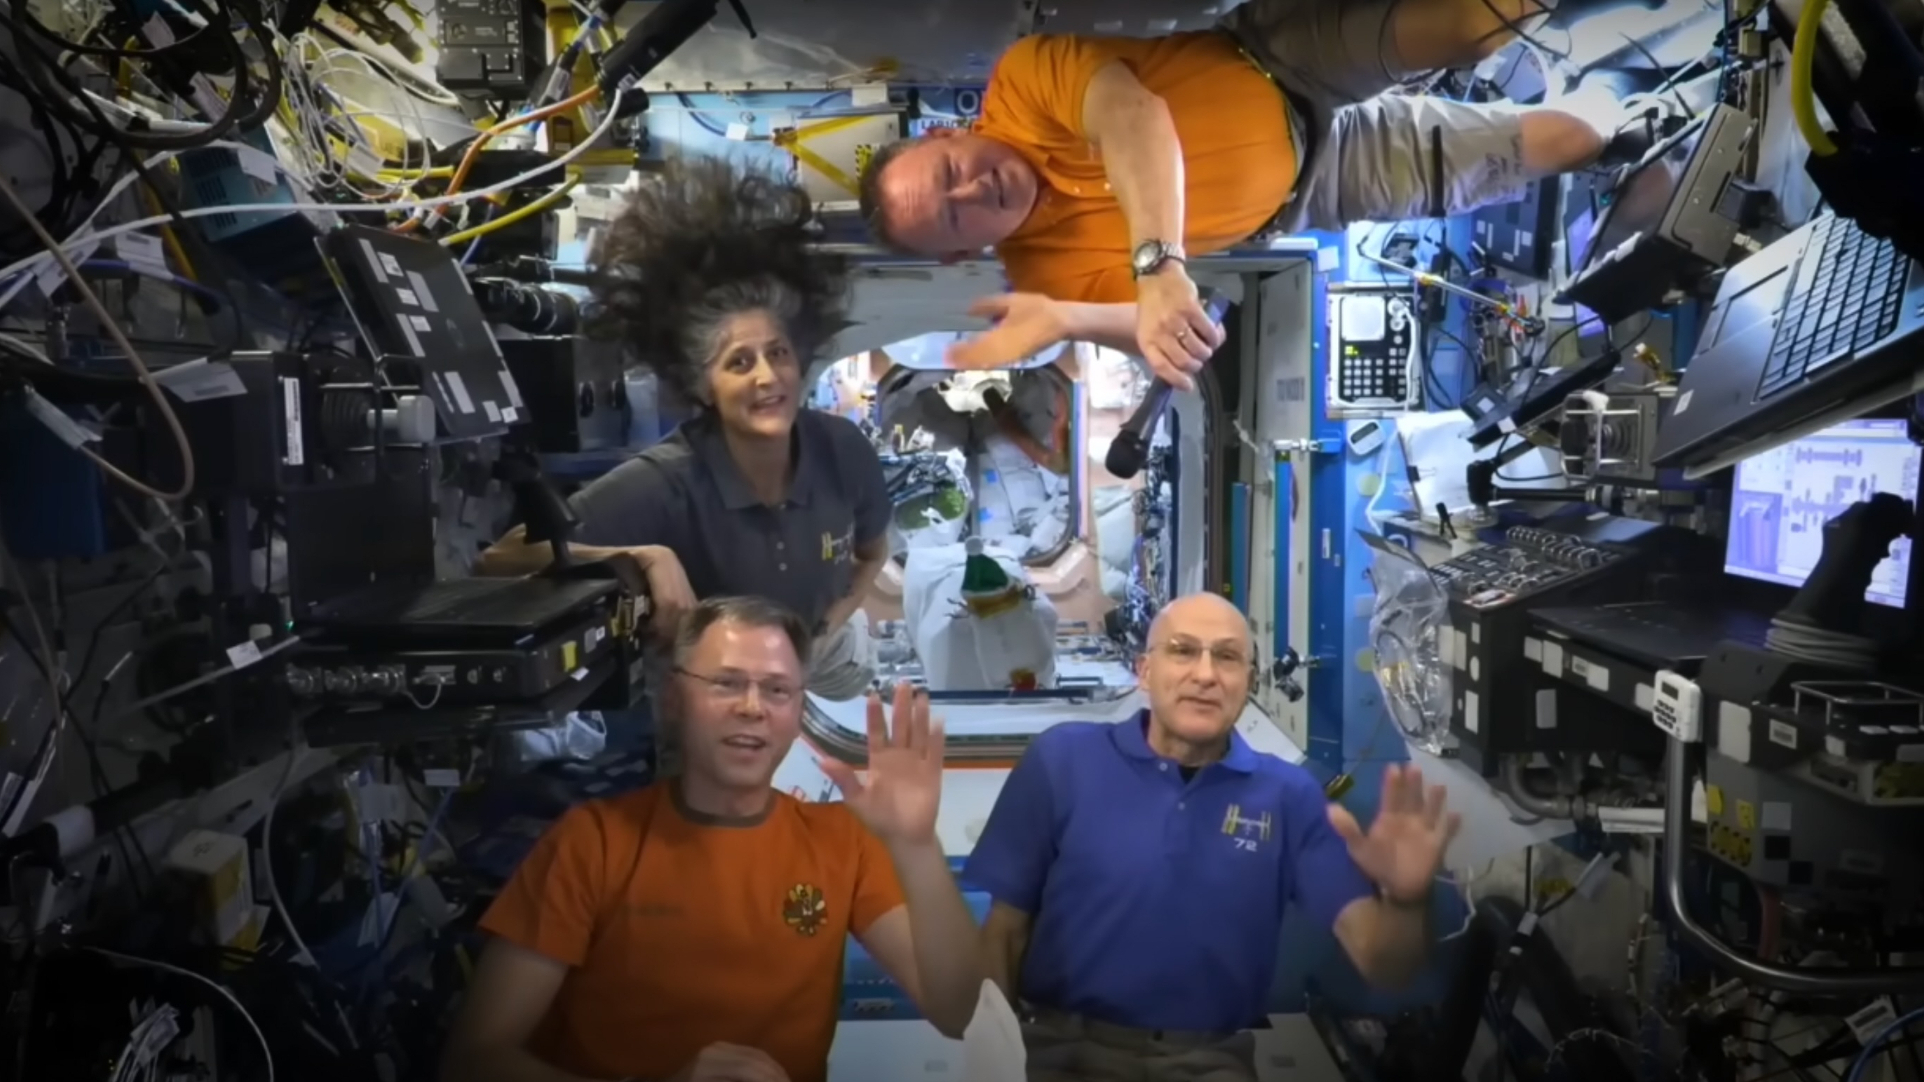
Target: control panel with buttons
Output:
[
  {"x": 1498, "y": 706},
  {"x": 1529, "y": 559},
  {"x": 488, "y": 47},
  {"x": 1373, "y": 352}
]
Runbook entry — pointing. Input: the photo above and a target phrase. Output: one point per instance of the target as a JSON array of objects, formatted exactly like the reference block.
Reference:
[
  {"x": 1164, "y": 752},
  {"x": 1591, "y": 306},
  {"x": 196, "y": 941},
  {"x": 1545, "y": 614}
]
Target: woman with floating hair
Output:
[{"x": 711, "y": 279}]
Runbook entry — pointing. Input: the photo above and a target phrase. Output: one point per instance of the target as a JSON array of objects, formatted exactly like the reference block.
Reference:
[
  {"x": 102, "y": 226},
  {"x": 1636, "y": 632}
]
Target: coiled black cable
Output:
[{"x": 58, "y": 89}]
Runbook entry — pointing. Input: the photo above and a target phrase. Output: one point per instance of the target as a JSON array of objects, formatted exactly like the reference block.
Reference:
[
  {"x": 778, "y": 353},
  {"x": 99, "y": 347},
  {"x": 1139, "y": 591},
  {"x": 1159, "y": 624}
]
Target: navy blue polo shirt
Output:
[
  {"x": 1158, "y": 903},
  {"x": 686, "y": 494}
]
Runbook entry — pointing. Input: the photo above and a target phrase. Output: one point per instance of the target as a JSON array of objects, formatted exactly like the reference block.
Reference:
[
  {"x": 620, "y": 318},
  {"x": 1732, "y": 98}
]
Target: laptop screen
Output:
[{"x": 1783, "y": 497}]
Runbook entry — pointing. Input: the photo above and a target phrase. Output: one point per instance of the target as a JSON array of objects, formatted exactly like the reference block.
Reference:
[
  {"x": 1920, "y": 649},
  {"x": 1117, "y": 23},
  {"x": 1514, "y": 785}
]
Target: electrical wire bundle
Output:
[{"x": 245, "y": 109}]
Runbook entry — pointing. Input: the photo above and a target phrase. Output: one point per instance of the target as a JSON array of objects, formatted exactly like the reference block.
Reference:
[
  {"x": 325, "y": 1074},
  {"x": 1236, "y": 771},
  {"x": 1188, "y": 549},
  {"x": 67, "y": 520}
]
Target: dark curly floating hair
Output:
[{"x": 702, "y": 240}]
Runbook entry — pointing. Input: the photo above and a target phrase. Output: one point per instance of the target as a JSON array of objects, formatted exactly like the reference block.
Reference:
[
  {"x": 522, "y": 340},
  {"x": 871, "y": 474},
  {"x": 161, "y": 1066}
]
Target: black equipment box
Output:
[
  {"x": 454, "y": 671},
  {"x": 1518, "y": 236},
  {"x": 1811, "y": 787},
  {"x": 407, "y": 724},
  {"x": 1494, "y": 709},
  {"x": 1666, "y": 223},
  {"x": 1600, "y": 663},
  {"x": 1617, "y": 649},
  {"x": 267, "y": 424},
  {"x": 576, "y": 397},
  {"x": 489, "y": 48},
  {"x": 415, "y": 309}
]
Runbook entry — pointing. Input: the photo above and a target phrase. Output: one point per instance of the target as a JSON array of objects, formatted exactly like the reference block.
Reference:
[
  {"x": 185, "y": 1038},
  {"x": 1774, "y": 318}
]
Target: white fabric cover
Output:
[{"x": 960, "y": 652}]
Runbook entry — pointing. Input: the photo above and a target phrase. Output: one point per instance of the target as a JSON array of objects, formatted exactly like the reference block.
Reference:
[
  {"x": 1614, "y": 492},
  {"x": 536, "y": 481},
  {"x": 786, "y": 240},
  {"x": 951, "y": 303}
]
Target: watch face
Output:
[{"x": 1149, "y": 255}]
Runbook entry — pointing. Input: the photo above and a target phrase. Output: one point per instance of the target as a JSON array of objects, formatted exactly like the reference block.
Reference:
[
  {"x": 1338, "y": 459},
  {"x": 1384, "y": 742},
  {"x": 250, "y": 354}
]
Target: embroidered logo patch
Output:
[
  {"x": 1245, "y": 831},
  {"x": 804, "y": 909}
]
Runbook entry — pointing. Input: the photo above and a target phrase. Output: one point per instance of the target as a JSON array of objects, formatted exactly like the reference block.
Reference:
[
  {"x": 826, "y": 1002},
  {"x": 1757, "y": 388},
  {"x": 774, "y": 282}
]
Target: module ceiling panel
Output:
[
  {"x": 1131, "y": 18},
  {"x": 810, "y": 44}
]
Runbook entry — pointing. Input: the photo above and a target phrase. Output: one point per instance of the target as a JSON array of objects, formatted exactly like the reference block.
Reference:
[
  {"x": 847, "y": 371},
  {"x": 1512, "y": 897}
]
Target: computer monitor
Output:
[{"x": 1784, "y": 496}]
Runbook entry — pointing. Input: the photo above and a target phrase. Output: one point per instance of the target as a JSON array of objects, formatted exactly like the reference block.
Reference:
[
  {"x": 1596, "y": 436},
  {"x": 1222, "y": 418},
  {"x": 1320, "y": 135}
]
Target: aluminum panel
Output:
[
  {"x": 1131, "y": 18},
  {"x": 831, "y": 44}
]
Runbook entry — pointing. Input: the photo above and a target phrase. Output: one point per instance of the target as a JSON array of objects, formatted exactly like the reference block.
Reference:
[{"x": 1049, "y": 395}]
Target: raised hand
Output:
[
  {"x": 899, "y": 794},
  {"x": 1174, "y": 334},
  {"x": 732, "y": 1063},
  {"x": 1402, "y": 851},
  {"x": 1025, "y": 325}
]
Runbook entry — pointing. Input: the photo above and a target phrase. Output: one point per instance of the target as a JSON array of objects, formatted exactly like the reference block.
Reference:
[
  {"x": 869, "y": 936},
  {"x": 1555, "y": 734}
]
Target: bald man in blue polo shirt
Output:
[{"x": 1140, "y": 870}]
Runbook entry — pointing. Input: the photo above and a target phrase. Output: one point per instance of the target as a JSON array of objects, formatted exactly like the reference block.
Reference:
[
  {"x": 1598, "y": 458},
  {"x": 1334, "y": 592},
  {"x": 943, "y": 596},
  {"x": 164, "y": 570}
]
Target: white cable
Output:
[
  {"x": 1552, "y": 75},
  {"x": 406, "y": 83},
  {"x": 199, "y": 681},
  {"x": 148, "y": 118},
  {"x": 1465, "y": 886},
  {"x": 56, "y": 677},
  {"x": 24, "y": 347},
  {"x": 1382, "y": 456},
  {"x": 302, "y": 955},
  {"x": 70, "y": 267},
  {"x": 209, "y": 982},
  {"x": 79, "y": 238},
  {"x": 328, "y": 57}
]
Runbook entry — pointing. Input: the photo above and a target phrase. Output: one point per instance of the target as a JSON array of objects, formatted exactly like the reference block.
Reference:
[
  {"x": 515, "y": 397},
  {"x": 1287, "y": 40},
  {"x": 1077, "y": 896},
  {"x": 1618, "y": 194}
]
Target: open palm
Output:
[
  {"x": 1402, "y": 851},
  {"x": 1025, "y": 325},
  {"x": 898, "y": 796}
]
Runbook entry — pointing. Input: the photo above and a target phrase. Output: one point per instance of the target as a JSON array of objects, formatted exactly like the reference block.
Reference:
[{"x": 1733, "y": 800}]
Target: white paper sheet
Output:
[
  {"x": 992, "y": 1045},
  {"x": 1438, "y": 446}
]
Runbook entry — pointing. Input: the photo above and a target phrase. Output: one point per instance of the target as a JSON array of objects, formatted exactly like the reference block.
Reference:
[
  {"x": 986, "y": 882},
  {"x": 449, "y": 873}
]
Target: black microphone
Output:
[{"x": 1130, "y": 448}]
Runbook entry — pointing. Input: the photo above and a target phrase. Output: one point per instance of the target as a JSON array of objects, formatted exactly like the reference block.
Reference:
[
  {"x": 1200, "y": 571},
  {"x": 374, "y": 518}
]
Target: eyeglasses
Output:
[
  {"x": 733, "y": 688},
  {"x": 1186, "y": 652}
]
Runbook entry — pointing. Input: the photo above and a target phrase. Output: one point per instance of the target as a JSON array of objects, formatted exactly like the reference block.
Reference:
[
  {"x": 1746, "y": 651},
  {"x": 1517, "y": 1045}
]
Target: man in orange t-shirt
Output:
[
  {"x": 694, "y": 931},
  {"x": 1100, "y": 164}
]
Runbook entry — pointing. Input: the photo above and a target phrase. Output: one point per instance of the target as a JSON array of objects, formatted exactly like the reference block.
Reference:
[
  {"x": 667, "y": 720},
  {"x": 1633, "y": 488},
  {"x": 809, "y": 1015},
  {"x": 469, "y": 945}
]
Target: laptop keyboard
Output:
[{"x": 1849, "y": 287}]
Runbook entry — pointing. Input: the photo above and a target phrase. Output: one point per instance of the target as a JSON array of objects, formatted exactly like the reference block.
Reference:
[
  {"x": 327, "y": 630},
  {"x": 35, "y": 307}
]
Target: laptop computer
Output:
[
  {"x": 1819, "y": 327},
  {"x": 461, "y": 609}
]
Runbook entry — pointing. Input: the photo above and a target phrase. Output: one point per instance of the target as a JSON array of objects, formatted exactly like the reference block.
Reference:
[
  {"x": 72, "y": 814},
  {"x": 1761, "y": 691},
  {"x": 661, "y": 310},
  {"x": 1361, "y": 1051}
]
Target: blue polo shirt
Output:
[{"x": 1158, "y": 903}]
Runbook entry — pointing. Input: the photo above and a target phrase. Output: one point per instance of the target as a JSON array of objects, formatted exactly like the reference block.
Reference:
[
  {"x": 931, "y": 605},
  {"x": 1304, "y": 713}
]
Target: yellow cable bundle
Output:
[
  {"x": 513, "y": 216},
  {"x": 1803, "y": 96}
]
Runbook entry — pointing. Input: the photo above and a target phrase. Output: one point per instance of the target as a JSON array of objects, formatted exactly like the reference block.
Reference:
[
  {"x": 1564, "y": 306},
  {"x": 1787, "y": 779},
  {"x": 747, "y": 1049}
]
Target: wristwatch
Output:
[{"x": 1153, "y": 255}]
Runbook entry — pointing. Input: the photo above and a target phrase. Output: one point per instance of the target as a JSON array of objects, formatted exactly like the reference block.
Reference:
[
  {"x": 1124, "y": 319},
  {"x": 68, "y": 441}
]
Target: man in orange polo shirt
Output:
[
  {"x": 1099, "y": 164},
  {"x": 694, "y": 931}
]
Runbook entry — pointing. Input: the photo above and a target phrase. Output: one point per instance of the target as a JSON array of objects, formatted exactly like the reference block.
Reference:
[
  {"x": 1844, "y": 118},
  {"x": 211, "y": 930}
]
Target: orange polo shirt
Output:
[
  {"x": 681, "y": 934},
  {"x": 1239, "y": 164}
]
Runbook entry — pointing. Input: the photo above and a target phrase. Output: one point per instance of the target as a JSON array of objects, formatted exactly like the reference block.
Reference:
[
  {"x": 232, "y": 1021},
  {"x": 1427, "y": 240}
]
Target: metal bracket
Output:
[
  {"x": 1243, "y": 437},
  {"x": 1262, "y": 481},
  {"x": 1305, "y": 447}
]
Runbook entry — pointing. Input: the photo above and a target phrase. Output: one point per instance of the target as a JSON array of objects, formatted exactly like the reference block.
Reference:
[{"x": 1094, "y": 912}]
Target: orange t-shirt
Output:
[
  {"x": 1239, "y": 164},
  {"x": 681, "y": 934}
]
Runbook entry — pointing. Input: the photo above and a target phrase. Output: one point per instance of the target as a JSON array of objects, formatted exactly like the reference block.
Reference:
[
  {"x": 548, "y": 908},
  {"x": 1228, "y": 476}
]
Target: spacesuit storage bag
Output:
[
  {"x": 1016, "y": 648},
  {"x": 960, "y": 652}
]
